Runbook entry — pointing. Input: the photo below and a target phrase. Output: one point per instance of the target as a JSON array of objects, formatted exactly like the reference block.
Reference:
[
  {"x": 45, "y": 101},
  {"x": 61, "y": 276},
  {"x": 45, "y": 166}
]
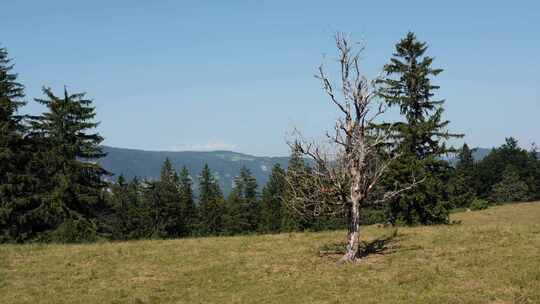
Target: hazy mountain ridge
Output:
[{"x": 224, "y": 164}]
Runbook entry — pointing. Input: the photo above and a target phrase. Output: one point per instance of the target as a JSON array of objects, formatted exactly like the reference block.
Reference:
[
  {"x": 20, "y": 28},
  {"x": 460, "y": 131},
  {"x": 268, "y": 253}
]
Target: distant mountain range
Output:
[
  {"x": 224, "y": 164},
  {"x": 478, "y": 154}
]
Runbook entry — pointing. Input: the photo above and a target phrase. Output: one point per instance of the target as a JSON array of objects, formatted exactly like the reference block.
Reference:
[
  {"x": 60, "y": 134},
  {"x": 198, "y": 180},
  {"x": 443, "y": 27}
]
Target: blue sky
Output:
[{"x": 238, "y": 75}]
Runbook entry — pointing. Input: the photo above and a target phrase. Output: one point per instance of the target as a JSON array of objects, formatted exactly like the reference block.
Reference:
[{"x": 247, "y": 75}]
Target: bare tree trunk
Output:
[
  {"x": 346, "y": 175},
  {"x": 353, "y": 236}
]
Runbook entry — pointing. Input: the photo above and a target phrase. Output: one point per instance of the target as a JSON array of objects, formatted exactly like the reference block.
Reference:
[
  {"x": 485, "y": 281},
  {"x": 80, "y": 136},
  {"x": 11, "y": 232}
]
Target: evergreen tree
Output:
[
  {"x": 242, "y": 214},
  {"x": 154, "y": 209},
  {"x": 71, "y": 184},
  {"x": 491, "y": 169},
  {"x": 189, "y": 209},
  {"x": 11, "y": 127},
  {"x": 420, "y": 138},
  {"x": 133, "y": 215},
  {"x": 534, "y": 152},
  {"x": 211, "y": 204},
  {"x": 247, "y": 188},
  {"x": 272, "y": 201},
  {"x": 236, "y": 218},
  {"x": 140, "y": 211},
  {"x": 511, "y": 188},
  {"x": 168, "y": 198},
  {"x": 461, "y": 193},
  {"x": 535, "y": 168},
  {"x": 296, "y": 170},
  {"x": 123, "y": 205},
  {"x": 15, "y": 197},
  {"x": 461, "y": 186},
  {"x": 465, "y": 160}
]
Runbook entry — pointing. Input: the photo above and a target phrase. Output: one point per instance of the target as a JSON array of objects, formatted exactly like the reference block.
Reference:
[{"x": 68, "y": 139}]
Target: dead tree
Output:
[{"x": 348, "y": 166}]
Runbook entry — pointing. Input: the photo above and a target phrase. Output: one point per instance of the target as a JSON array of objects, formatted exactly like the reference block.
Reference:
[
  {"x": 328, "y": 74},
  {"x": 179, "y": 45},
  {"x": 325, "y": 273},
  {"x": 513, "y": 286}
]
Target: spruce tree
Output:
[
  {"x": 189, "y": 209},
  {"x": 491, "y": 169},
  {"x": 139, "y": 212},
  {"x": 272, "y": 201},
  {"x": 461, "y": 193},
  {"x": 461, "y": 187},
  {"x": 236, "y": 216},
  {"x": 296, "y": 170},
  {"x": 154, "y": 209},
  {"x": 122, "y": 205},
  {"x": 465, "y": 160},
  {"x": 247, "y": 186},
  {"x": 211, "y": 204},
  {"x": 171, "y": 221},
  {"x": 15, "y": 183},
  {"x": 242, "y": 214},
  {"x": 11, "y": 127},
  {"x": 511, "y": 188},
  {"x": 71, "y": 191},
  {"x": 535, "y": 168},
  {"x": 420, "y": 137}
]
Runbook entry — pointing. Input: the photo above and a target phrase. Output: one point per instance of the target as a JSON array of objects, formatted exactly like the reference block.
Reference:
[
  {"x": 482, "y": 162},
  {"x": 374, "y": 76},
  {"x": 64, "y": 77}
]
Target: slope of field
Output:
[{"x": 493, "y": 256}]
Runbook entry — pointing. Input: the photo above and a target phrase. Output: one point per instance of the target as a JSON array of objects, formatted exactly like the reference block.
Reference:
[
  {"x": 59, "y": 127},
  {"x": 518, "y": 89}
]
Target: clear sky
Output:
[{"x": 238, "y": 75}]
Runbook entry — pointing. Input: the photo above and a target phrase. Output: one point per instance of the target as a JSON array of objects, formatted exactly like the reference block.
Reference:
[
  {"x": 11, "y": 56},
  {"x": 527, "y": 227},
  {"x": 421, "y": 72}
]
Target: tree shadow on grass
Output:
[{"x": 382, "y": 245}]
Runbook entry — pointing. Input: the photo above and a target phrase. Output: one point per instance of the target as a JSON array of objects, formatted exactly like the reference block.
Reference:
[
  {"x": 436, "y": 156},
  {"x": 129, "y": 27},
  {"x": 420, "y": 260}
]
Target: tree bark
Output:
[{"x": 353, "y": 236}]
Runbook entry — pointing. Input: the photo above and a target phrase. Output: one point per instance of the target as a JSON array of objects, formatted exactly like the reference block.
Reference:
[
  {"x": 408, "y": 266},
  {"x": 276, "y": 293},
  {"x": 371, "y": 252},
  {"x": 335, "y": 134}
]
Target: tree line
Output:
[{"x": 52, "y": 187}]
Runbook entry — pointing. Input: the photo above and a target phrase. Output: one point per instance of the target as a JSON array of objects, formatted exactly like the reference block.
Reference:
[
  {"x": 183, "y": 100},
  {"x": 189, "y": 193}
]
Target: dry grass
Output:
[{"x": 491, "y": 257}]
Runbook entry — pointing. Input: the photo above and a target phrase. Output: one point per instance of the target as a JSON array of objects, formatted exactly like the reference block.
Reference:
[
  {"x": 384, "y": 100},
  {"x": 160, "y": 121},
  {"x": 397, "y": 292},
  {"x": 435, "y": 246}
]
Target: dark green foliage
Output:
[
  {"x": 479, "y": 204},
  {"x": 11, "y": 128},
  {"x": 491, "y": 169},
  {"x": 160, "y": 207},
  {"x": 242, "y": 210},
  {"x": 211, "y": 204},
  {"x": 189, "y": 209},
  {"x": 420, "y": 139},
  {"x": 167, "y": 203},
  {"x": 246, "y": 188},
  {"x": 292, "y": 220},
  {"x": 372, "y": 215},
  {"x": 70, "y": 192},
  {"x": 15, "y": 198},
  {"x": 511, "y": 188},
  {"x": 461, "y": 188},
  {"x": 154, "y": 209},
  {"x": 296, "y": 215},
  {"x": 428, "y": 203},
  {"x": 465, "y": 160},
  {"x": 131, "y": 216},
  {"x": 236, "y": 218},
  {"x": 272, "y": 201},
  {"x": 535, "y": 178}
]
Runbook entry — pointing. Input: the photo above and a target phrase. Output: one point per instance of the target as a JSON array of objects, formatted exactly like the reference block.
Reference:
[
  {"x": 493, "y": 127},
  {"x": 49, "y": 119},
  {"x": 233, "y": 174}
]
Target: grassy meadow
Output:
[{"x": 492, "y": 256}]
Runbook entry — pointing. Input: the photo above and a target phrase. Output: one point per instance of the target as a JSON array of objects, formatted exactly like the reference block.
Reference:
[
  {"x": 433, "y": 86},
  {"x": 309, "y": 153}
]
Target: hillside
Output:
[
  {"x": 225, "y": 164},
  {"x": 491, "y": 257}
]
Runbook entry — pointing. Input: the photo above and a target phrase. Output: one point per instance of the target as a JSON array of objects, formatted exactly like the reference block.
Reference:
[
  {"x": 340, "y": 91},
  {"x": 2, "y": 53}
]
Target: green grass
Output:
[{"x": 493, "y": 256}]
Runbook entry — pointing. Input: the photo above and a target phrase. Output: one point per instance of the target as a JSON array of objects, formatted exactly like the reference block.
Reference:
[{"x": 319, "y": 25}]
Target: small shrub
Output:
[
  {"x": 373, "y": 216},
  {"x": 479, "y": 204},
  {"x": 74, "y": 230}
]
